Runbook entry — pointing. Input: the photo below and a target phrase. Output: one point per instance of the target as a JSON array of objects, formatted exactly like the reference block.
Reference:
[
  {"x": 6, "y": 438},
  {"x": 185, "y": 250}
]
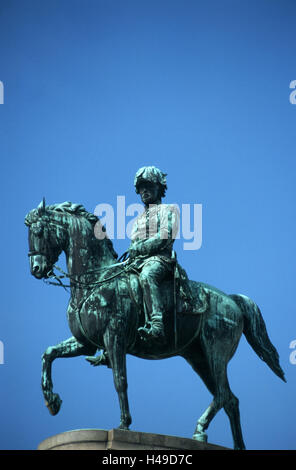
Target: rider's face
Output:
[{"x": 149, "y": 192}]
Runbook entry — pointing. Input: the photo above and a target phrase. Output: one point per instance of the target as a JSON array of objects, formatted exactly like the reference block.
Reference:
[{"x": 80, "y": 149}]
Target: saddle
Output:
[
  {"x": 176, "y": 291},
  {"x": 181, "y": 298}
]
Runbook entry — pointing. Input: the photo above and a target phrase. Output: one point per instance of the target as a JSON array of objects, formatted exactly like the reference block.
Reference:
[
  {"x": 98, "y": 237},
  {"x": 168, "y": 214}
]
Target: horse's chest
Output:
[{"x": 86, "y": 324}]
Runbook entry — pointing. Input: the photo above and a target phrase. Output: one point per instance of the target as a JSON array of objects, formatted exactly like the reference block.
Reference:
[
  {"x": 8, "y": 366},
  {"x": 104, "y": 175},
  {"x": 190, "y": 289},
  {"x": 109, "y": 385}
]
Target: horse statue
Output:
[{"x": 105, "y": 312}]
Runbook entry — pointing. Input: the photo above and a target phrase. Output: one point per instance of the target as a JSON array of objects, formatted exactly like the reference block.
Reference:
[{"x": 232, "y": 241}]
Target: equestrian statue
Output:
[{"x": 142, "y": 303}]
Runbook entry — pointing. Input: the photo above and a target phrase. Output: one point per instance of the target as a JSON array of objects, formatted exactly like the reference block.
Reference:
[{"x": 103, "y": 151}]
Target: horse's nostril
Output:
[{"x": 35, "y": 268}]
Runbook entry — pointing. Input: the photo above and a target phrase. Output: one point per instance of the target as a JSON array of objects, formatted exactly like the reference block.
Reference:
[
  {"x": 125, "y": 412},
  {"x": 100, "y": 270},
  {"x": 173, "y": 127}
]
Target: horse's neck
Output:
[{"x": 85, "y": 253}]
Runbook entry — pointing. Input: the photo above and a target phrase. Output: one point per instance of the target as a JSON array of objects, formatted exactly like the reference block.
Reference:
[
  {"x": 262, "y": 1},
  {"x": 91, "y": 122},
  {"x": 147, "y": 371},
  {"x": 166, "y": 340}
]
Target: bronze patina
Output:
[{"x": 144, "y": 305}]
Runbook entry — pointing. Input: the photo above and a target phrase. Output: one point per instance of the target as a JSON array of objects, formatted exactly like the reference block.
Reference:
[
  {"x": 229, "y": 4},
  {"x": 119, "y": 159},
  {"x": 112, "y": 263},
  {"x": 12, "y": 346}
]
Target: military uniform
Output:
[{"x": 153, "y": 236}]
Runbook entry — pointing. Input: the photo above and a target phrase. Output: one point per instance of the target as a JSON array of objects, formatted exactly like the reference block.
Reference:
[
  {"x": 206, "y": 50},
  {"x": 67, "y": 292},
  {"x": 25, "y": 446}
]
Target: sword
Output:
[{"x": 175, "y": 299}]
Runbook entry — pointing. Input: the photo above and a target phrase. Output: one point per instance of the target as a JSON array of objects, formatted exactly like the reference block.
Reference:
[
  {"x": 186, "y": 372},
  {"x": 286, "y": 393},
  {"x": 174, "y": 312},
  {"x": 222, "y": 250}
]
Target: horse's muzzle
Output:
[{"x": 39, "y": 267}]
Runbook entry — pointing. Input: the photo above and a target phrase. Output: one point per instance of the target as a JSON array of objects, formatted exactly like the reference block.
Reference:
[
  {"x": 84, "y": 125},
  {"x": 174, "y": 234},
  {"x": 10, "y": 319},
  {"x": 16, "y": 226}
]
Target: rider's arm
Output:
[{"x": 162, "y": 235}]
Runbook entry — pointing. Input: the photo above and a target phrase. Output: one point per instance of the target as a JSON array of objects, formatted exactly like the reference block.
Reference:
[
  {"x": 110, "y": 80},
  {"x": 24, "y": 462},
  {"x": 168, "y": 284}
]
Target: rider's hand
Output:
[{"x": 132, "y": 252}]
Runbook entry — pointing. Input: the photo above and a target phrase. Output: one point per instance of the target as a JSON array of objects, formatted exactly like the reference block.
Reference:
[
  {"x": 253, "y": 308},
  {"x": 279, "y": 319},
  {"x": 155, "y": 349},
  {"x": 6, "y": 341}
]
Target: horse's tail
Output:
[{"x": 256, "y": 334}]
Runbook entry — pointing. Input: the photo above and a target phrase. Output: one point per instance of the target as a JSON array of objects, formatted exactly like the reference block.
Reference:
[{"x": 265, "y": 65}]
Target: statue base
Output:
[{"x": 117, "y": 439}]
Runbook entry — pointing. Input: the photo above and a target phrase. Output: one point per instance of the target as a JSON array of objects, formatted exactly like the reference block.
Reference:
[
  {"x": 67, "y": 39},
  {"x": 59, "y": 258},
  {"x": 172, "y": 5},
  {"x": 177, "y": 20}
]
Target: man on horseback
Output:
[
  {"x": 151, "y": 257},
  {"x": 150, "y": 251}
]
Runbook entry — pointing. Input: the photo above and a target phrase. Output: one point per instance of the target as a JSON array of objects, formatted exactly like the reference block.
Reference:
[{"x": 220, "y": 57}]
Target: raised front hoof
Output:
[
  {"x": 54, "y": 405},
  {"x": 200, "y": 436}
]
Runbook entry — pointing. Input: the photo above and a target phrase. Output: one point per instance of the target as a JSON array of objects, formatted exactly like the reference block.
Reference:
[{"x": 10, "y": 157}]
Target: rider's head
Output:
[{"x": 153, "y": 176}]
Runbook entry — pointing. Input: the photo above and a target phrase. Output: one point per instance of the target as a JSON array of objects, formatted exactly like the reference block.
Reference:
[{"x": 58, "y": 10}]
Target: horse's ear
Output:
[{"x": 41, "y": 207}]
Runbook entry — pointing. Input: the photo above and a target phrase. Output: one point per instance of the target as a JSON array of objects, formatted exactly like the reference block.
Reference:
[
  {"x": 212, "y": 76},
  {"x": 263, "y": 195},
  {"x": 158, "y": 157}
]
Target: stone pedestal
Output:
[{"x": 117, "y": 439}]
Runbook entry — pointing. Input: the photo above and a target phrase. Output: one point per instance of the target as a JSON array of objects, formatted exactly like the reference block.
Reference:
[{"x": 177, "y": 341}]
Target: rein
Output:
[
  {"x": 81, "y": 283},
  {"x": 72, "y": 278}
]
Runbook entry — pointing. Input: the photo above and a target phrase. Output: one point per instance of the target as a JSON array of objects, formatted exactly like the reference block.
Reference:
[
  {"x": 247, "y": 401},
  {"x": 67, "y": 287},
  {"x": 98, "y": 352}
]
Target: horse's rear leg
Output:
[
  {"x": 231, "y": 408},
  {"x": 68, "y": 348},
  {"x": 212, "y": 370},
  {"x": 223, "y": 398},
  {"x": 204, "y": 421},
  {"x": 201, "y": 367}
]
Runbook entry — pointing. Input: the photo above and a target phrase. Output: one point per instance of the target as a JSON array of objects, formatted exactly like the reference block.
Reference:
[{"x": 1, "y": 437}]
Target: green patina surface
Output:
[{"x": 145, "y": 305}]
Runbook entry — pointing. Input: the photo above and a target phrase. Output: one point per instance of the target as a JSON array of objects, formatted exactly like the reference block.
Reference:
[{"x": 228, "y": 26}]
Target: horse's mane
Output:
[{"x": 72, "y": 209}]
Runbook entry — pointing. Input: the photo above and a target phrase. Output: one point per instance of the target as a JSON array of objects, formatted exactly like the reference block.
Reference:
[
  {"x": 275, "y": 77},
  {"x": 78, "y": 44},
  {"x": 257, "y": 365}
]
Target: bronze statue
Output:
[
  {"x": 151, "y": 248},
  {"x": 151, "y": 251},
  {"x": 120, "y": 324}
]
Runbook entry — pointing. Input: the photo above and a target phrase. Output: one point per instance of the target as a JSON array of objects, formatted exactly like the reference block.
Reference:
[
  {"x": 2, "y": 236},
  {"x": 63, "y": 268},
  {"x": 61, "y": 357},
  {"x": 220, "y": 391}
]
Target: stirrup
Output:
[{"x": 152, "y": 332}]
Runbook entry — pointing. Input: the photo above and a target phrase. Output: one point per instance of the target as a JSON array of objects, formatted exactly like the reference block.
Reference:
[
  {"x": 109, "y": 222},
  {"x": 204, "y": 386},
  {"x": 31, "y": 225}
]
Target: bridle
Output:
[
  {"x": 36, "y": 253},
  {"x": 74, "y": 279}
]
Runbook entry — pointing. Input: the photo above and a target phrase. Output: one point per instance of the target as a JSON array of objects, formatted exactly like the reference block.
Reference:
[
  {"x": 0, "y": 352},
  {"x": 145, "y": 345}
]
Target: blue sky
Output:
[{"x": 93, "y": 91}]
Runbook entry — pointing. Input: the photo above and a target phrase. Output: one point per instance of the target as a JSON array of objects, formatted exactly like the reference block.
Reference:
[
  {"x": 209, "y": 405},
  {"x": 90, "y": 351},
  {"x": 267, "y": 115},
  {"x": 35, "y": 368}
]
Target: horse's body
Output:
[{"x": 106, "y": 314}]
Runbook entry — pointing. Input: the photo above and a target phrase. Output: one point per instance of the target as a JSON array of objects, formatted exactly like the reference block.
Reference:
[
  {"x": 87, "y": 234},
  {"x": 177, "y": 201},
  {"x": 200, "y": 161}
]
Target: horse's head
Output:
[
  {"x": 70, "y": 228},
  {"x": 44, "y": 246}
]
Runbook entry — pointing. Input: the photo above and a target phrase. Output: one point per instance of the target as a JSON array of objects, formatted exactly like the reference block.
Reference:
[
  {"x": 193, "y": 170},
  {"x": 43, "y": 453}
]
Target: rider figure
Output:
[
  {"x": 150, "y": 254},
  {"x": 150, "y": 251}
]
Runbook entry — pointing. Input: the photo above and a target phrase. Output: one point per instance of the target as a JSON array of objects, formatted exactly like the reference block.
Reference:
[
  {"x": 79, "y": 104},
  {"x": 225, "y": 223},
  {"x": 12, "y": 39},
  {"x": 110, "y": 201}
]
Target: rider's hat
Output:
[{"x": 153, "y": 175}]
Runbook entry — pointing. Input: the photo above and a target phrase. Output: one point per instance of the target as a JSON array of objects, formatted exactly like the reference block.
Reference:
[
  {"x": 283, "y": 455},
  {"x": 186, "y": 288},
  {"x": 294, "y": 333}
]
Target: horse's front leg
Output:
[
  {"x": 68, "y": 348},
  {"x": 115, "y": 345}
]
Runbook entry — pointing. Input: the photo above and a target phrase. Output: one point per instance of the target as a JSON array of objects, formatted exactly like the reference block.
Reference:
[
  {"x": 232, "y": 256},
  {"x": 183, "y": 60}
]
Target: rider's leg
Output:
[{"x": 151, "y": 277}]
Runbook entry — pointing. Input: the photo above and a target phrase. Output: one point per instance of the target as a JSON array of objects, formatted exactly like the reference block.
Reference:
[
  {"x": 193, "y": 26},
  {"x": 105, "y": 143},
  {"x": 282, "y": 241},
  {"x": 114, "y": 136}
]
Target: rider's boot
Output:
[{"x": 156, "y": 328}]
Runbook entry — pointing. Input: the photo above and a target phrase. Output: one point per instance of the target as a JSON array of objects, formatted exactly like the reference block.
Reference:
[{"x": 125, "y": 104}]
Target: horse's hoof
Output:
[
  {"x": 200, "y": 436},
  {"x": 125, "y": 423},
  {"x": 101, "y": 360},
  {"x": 54, "y": 405},
  {"x": 123, "y": 427}
]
